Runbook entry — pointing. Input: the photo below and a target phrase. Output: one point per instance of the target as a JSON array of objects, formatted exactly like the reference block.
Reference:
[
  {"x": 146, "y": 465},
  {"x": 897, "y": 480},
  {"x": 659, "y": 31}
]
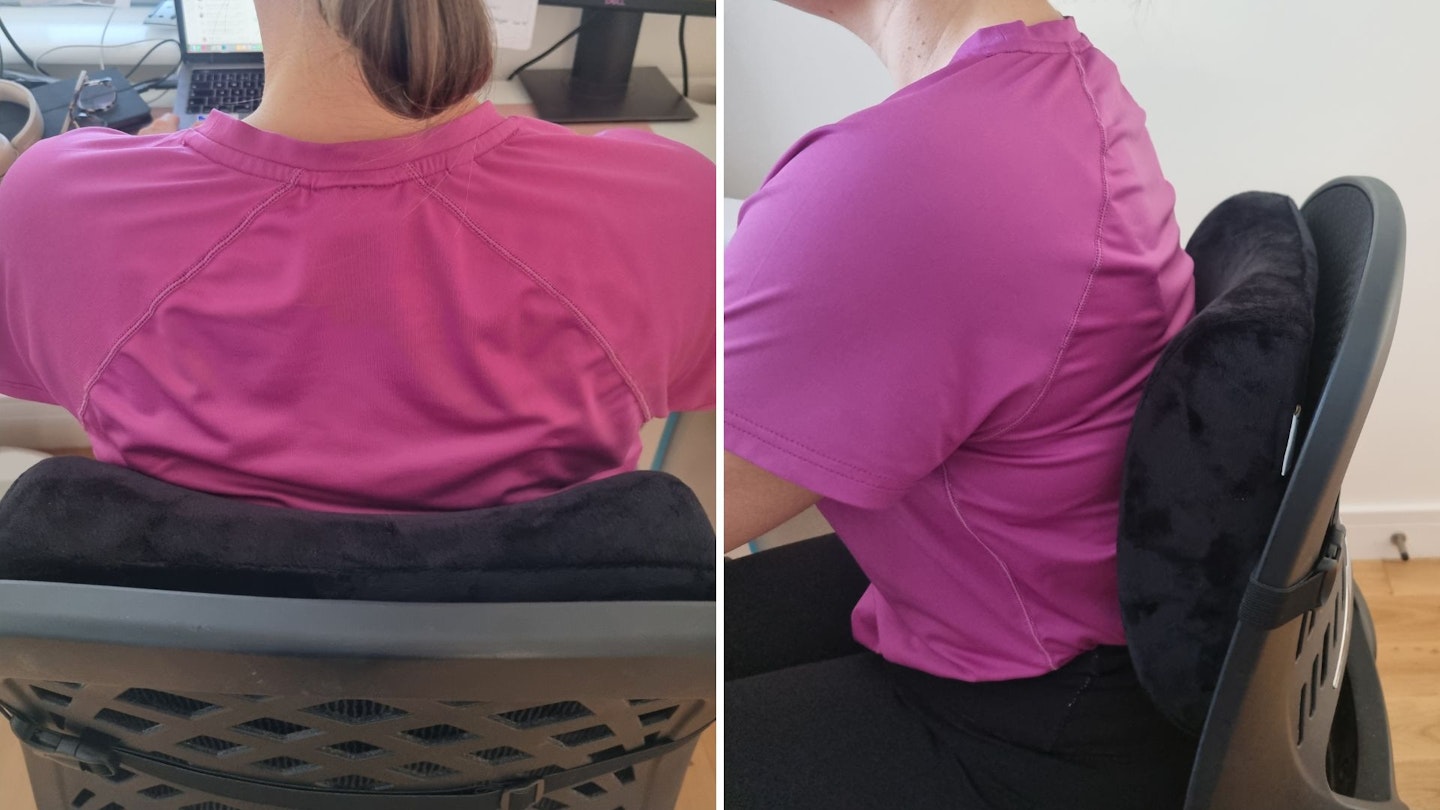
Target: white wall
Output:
[{"x": 1279, "y": 96}]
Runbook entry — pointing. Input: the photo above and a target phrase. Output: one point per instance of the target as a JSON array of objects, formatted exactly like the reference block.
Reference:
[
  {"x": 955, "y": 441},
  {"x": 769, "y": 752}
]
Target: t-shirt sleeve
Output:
[
  {"x": 849, "y": 351},
  {"x": 61, "y": 308},
  {"x": 672, "y": 342},
  {"x": 693, "y": 386},
  {"x": 22, "y": 374}
]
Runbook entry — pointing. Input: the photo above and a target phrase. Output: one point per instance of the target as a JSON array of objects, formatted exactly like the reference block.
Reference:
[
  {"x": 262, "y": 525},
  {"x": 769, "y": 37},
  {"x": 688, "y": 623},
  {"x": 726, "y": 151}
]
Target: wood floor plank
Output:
[
  {"x": 1372, "y": 578},
  {"x": 1414, "y": 726},
  {"x": 14, "y": 785},
  {"x": 1418, "y": 783},
  {"x": 698, "y": 792},
  {"x": 1414, "y": 578},
  {"x": 1412, "y": 621}
]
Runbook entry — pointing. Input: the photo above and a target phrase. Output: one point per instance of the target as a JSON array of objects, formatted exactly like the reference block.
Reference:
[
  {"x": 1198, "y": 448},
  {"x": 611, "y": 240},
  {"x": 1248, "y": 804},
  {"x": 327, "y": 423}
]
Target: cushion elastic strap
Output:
[{"x": 1266, "y": 607}]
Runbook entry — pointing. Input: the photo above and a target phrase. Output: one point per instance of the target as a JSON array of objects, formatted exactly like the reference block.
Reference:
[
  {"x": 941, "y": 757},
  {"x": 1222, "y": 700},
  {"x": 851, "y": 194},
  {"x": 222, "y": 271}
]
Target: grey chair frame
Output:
[{"x": 219, "y": 644}]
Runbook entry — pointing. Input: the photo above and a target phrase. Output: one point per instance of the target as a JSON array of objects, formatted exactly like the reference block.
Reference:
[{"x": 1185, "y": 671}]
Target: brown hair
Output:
[{"x": 419, "y": 57}]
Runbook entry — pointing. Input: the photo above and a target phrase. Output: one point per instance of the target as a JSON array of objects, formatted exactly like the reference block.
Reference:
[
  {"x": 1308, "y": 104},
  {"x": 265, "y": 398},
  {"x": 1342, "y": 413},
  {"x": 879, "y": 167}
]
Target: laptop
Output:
[{"x": 221, "y": 64}]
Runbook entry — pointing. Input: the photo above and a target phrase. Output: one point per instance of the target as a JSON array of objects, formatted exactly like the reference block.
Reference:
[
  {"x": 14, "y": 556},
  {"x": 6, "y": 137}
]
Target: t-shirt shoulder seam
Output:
[
  {"x": 1095, "y": 266},
  {"x": 175, "y": 284},
  {"x": 586, "y": 324}
]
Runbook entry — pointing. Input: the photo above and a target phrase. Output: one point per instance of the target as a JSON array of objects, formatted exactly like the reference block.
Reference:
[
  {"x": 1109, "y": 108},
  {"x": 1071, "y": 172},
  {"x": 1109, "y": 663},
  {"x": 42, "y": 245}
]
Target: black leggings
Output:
[{"x": 831, "y": 726}]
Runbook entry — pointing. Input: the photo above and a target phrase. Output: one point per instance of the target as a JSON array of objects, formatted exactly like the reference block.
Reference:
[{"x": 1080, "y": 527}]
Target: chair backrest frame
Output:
[{"x": 1260, "y": 748}]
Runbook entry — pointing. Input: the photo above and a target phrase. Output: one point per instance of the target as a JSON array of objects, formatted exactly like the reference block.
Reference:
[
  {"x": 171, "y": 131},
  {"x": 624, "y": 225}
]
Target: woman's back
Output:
[
  {"x": 972, "y": 280},
  {"x": 480, "y": 313}
]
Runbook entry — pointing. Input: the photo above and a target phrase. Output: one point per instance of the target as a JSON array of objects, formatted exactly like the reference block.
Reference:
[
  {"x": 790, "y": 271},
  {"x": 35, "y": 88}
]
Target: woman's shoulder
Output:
[
  {"x": 64, "y": 172},
  {"x": 619, "y": 181},
  {"x": 622, "y": 152},
  {"x": 53, "y": 159}
]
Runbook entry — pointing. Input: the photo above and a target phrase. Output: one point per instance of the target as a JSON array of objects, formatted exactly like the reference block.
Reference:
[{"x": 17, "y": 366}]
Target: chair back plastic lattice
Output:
[{"x": 353, "y": 744}]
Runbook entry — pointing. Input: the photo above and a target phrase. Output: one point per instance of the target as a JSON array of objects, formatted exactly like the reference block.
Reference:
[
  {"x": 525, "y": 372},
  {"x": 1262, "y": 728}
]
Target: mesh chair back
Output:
[
  {"x": 1271, "y": 738},
  {"x": 353, "y": 704}
]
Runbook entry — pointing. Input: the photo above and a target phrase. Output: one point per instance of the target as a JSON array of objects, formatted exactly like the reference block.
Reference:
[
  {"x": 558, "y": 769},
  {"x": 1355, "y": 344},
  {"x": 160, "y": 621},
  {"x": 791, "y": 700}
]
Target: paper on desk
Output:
[
  {"x": 105, "y": 3},
  {"x": 514, "y": 22}
]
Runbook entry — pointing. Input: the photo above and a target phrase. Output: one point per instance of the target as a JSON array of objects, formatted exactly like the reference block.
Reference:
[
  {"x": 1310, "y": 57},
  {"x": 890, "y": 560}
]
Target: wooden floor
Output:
[
  {"x": 1404, "y": 599},
  {"x": 698, "y": 793}
]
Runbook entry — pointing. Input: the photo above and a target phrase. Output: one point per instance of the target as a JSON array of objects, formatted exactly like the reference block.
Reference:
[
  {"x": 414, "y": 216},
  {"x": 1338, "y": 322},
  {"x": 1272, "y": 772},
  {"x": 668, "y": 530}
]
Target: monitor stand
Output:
[{"x": 602, "y": 86}]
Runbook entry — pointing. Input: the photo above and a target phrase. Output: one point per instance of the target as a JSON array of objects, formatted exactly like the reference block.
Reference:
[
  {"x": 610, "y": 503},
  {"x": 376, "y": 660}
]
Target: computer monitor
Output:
[{"x": 603, "y": 85}]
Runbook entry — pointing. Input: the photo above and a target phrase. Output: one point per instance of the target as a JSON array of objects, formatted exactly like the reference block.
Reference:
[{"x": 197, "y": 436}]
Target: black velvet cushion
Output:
[
  {"x": 1202, "y": 481},
  {"x": 634, "y": 536}
]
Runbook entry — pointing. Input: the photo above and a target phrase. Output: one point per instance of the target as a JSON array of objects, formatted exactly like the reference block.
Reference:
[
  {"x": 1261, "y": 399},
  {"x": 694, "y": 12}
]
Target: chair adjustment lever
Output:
[{"x": 1266, "y": 607}]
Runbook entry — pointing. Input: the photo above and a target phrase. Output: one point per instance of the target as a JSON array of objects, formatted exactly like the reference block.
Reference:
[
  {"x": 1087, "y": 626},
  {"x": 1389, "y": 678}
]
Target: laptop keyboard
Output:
[{"x": 231, "y": 91}]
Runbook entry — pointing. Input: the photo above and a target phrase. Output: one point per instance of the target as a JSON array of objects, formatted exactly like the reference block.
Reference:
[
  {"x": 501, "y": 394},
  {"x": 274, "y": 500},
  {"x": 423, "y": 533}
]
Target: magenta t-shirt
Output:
[
  {"x": 479, "y": 314},
  {"x": 939, "y": 314}
]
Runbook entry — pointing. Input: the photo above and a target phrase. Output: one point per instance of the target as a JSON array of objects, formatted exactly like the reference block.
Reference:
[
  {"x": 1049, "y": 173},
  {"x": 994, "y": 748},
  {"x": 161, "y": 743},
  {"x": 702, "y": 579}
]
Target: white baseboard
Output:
[{"x": 1369, "y": 529}]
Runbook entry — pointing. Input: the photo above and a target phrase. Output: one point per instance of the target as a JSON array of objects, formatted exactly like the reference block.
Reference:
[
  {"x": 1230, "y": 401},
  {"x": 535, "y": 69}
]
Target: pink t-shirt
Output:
[
  {"x": 479, "y": 314},
  {"x": 940, "y": 313}
]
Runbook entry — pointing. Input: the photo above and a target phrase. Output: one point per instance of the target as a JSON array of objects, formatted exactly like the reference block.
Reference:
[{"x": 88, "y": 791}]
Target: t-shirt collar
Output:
[
  {"x": 232, "y": 141},
  {"x": 1051, "y": 36}
]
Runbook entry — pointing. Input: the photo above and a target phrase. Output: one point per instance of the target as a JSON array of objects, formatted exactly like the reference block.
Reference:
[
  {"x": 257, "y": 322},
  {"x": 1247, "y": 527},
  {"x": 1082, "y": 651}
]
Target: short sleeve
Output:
[
  {"x": 20, "y": 372},
  {"x": 67, "y": 292},
  {"x": 667, "y": 338},
  {"x": 850, "y": 327},
  {"x": 693, "y": 387}
]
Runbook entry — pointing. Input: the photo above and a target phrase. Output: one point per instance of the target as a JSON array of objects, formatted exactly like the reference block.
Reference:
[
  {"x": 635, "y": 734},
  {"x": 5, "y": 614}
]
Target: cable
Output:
[
  {"x": 23, "y": 57},
  {"x": 104, "y": 31},
  {"x": 153, "y": 49},
  {"x": 684, "y": 60},
  {"x": 41, "y": 58},
  {"x": 547, "y": 52}
]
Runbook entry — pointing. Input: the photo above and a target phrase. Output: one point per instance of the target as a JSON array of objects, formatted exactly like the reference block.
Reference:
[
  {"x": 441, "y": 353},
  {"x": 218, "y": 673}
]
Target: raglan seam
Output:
[
  {"x": 1094, "y": 268},
  {"x": 175, "y": 284},
  {"x": 543, "y": 283}
]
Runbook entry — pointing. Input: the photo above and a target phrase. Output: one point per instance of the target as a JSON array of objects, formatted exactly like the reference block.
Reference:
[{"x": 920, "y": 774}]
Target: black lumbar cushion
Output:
[
  {"x": 1203, "y": 470},
  {"x": 634, "y": 536}
]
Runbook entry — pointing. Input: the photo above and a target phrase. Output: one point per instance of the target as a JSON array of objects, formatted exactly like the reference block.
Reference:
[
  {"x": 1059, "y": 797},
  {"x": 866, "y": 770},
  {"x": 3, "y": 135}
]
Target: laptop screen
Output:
[{"x": 220, "y": 26}]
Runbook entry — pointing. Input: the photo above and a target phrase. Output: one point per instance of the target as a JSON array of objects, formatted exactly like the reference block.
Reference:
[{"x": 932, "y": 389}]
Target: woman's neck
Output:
[
  {"x": 915, "y": 38},
  {"x": 314, "y": 90}
]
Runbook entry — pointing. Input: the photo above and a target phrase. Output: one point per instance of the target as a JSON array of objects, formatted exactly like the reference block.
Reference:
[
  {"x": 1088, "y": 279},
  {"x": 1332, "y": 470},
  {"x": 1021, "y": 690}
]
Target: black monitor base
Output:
[{"x": 649, "y": 97}]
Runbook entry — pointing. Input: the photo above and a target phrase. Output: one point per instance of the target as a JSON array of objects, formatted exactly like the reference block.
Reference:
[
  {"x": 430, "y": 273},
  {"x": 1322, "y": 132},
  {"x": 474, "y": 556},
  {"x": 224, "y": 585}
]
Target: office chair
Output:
[
  {"x": 1242, "y": 617},
  {"x": 163, "y": 648},
  {"x": 1243, "y": 622}
]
